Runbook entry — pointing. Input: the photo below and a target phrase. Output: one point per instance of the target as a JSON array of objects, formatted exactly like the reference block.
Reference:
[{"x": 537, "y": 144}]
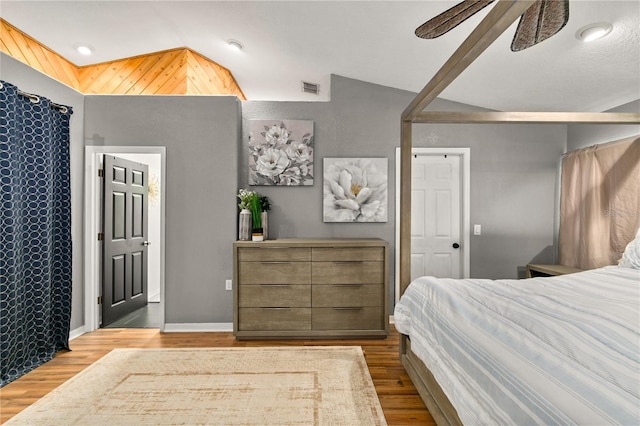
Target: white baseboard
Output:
[
  {"x": 76, "y": 333},
  {"x": 206, "y": 326},
  {"x": 187, "y": 327}
]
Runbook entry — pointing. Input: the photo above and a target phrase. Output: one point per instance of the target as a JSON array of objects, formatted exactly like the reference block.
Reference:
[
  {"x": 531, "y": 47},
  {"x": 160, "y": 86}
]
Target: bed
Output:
[
  {"x": 546, "y": 350},
  {"x": 442, "y": 402}
]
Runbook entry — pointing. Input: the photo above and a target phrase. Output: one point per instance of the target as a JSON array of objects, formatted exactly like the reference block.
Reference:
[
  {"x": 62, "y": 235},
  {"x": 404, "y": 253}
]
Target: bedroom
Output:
[{"x": 363, "y": 114}]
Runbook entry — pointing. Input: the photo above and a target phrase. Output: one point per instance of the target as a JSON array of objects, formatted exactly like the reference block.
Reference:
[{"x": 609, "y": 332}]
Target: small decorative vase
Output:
[
  {"x": 265, "y": 225},
  {"x": 244, "y": 225},
  {"x": 257, "y": 234}
]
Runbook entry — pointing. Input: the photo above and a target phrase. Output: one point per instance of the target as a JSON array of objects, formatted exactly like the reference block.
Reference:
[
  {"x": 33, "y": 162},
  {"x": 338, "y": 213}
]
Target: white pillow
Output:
[{"x": 631, "y": 255}]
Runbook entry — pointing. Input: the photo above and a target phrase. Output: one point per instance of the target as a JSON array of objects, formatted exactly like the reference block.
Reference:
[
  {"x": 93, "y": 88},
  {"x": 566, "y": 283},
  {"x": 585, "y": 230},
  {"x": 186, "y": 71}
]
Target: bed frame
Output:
[
  {"x": 430, "y": 391},
  {"x": 499, "y": 18}
]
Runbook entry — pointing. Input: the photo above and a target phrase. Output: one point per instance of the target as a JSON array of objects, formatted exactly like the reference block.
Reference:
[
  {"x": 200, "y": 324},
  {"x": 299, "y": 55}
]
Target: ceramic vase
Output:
[
  {"x": 244, "y": 225},
  {"x": 264, "y": 217}
]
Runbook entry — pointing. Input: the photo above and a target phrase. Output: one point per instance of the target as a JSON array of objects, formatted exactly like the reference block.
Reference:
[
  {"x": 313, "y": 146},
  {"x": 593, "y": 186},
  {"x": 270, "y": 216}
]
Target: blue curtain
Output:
[{"x": 35, "y": 231}]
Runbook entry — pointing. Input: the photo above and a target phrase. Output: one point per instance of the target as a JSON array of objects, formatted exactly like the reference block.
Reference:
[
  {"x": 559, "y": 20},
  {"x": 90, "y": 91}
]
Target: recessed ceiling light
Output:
[
  {"x": 235, "y": 45},
  {"x": 593, "y": 32},
  {"x": 83, "y": 49}
]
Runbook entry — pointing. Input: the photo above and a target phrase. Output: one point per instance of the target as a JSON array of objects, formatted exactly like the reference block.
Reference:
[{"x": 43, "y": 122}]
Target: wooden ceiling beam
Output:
[
  {"x": 488, "y": 117},
  {"x": 500, "y": 17}
]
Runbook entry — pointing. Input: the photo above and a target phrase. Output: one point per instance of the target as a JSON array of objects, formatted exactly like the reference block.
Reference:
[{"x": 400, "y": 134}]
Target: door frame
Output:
[
  {"x": 92, "y": 212},
  {"x": 465, "y": 210}
]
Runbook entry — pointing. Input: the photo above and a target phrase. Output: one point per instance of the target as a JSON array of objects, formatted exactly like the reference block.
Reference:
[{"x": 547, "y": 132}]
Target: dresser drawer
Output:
[
  {"x": 347, "y": 272},
  {"x": 276, "y": 272},
  {"x": 274, "y": 296},
  {"x": 323, "y": 254},
  {"x": 347, "y": 295},
  {"x": 257, "y": 319},
  {"x": 266, "y": 254},
  {"x": 360, "y": 318}
]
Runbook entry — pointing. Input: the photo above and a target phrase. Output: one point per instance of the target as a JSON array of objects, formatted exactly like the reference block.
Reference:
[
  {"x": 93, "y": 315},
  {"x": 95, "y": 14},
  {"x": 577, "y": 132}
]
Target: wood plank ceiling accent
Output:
[
  {"x": 26, "y": 49},
  {"x": 178, "y": 71},
  {"x": 161, "y": 73},
  {"x": 205, "y": 76}
]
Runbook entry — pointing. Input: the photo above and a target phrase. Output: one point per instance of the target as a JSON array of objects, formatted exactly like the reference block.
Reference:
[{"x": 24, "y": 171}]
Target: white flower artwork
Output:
[
  {"x": 355, "y": 190},
  {"x": 281, "y": 152}
]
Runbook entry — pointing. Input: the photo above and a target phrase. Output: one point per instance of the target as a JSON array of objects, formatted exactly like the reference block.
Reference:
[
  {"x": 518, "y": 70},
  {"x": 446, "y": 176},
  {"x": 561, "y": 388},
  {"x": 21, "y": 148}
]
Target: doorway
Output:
[
  {"x": 440, "y": 216},
  {"x": 155, "y": 157}
]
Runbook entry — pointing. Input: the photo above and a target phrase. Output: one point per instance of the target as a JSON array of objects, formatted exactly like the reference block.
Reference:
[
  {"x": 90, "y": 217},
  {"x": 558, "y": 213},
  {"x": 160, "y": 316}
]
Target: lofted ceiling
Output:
[{"x": 287, "y": 42}]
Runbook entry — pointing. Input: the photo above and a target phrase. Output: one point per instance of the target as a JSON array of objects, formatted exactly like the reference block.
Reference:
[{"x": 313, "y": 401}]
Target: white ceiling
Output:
[{"x": 290, "y": 41}]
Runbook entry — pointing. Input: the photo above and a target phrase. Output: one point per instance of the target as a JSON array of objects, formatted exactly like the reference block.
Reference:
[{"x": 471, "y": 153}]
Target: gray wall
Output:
[
  {"x": 32, "y": 81},
  {"x": 513, "y": 177},
  {"x": 513, "y": 172},
  {"x": 583, "y": 135},
  {"x": 513, "y": 192},
  {"x": 201, "y": 136}
]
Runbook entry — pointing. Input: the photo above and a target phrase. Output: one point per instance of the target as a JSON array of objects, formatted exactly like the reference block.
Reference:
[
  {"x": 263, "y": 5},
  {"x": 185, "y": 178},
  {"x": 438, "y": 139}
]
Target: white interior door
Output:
[
  {"x": 435, "y": 216},
  {"x": 440, "y": 215}
]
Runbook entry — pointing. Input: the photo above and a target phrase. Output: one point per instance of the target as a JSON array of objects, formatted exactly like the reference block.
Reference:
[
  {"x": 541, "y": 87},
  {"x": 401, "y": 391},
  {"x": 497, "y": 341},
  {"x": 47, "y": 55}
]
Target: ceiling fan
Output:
[{"x": 539, "y": 22}]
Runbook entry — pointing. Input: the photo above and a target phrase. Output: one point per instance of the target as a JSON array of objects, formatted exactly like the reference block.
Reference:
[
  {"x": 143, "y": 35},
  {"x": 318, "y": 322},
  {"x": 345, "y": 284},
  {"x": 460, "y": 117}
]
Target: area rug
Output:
[{"x": 229, "y": 386}]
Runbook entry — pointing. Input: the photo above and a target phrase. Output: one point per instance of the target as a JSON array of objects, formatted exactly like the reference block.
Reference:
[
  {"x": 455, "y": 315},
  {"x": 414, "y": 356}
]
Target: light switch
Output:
[{"x": 477, "y": 229}]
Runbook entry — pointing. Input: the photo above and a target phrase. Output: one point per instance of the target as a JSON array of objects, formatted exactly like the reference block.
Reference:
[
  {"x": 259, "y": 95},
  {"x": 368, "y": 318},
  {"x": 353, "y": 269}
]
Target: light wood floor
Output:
[{"x": 399, "y": 399}]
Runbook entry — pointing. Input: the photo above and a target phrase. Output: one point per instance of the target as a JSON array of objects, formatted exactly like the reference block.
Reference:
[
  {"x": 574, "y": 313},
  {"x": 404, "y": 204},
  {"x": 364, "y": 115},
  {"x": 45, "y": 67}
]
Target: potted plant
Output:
[
  {"x": 256, "y": 218},
  {"x": 253, "y": 215}
]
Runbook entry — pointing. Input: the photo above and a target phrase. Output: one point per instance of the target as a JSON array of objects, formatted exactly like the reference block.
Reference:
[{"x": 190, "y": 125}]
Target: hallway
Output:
[{"x": 147, "y": 317}]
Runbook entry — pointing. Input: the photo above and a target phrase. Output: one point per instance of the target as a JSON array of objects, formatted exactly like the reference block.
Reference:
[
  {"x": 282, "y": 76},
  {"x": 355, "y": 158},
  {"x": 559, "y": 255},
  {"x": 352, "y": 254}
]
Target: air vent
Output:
[{"x": 312, "y": 88}]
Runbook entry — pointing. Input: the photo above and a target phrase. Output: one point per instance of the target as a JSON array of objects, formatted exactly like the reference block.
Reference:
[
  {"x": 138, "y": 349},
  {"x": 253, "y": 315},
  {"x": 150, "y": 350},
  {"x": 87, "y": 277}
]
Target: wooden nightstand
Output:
[{"x": 549, "y": 270}]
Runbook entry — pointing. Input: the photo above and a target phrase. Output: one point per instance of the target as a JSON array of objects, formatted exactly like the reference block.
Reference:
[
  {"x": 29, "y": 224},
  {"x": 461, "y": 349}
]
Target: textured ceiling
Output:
[{"x": 287, "y": 42}]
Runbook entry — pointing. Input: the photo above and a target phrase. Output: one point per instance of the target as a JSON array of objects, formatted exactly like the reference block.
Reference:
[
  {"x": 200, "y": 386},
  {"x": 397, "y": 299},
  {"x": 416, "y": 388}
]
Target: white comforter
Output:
[{"x": 553, "y": 351}]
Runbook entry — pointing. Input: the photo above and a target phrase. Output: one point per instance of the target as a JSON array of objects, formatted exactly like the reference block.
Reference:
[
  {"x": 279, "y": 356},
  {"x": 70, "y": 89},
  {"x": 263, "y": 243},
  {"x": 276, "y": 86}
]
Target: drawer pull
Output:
[
  {"x": 349, "y": 285},
  {"x": 275, "y": 285},
  {"x": 276, "y": 309},
  {"x": 275, "y": 262},
  {"x": 355, "y": 308},
  {"x": 347, "y": 261}
]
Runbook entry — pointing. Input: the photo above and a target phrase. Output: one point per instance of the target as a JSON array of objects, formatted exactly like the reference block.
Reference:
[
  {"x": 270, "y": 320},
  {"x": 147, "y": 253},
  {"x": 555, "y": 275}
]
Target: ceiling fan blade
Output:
[
  {"x": 542, "y": 20},
  {"x": 451, "y": 18}
]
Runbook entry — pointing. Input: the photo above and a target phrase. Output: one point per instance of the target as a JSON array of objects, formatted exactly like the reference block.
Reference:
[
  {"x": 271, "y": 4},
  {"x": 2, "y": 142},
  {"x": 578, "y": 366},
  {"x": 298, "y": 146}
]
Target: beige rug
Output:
[{"x": 230, "y": 386}]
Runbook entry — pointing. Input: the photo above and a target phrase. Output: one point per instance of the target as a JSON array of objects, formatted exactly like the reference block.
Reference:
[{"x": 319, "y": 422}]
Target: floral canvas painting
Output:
[
  {"x": 355, "y": 190},
  {"x": 281, "y": 152}
]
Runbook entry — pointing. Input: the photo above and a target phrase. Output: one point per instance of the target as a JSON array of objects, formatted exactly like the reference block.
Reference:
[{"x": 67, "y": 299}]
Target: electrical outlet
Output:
[{"x": 228, "y": 284}]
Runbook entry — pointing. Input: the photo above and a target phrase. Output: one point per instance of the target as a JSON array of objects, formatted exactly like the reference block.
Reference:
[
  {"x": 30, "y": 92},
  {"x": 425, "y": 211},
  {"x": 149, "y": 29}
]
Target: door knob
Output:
[
  {"x": 146, "y": 243},
  {"x": 456, "y": 245}
]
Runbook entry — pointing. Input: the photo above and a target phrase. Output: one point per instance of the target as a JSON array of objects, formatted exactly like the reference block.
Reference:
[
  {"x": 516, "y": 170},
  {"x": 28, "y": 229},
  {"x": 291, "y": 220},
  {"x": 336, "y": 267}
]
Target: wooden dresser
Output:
[{"x": 310, "y": 288}]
